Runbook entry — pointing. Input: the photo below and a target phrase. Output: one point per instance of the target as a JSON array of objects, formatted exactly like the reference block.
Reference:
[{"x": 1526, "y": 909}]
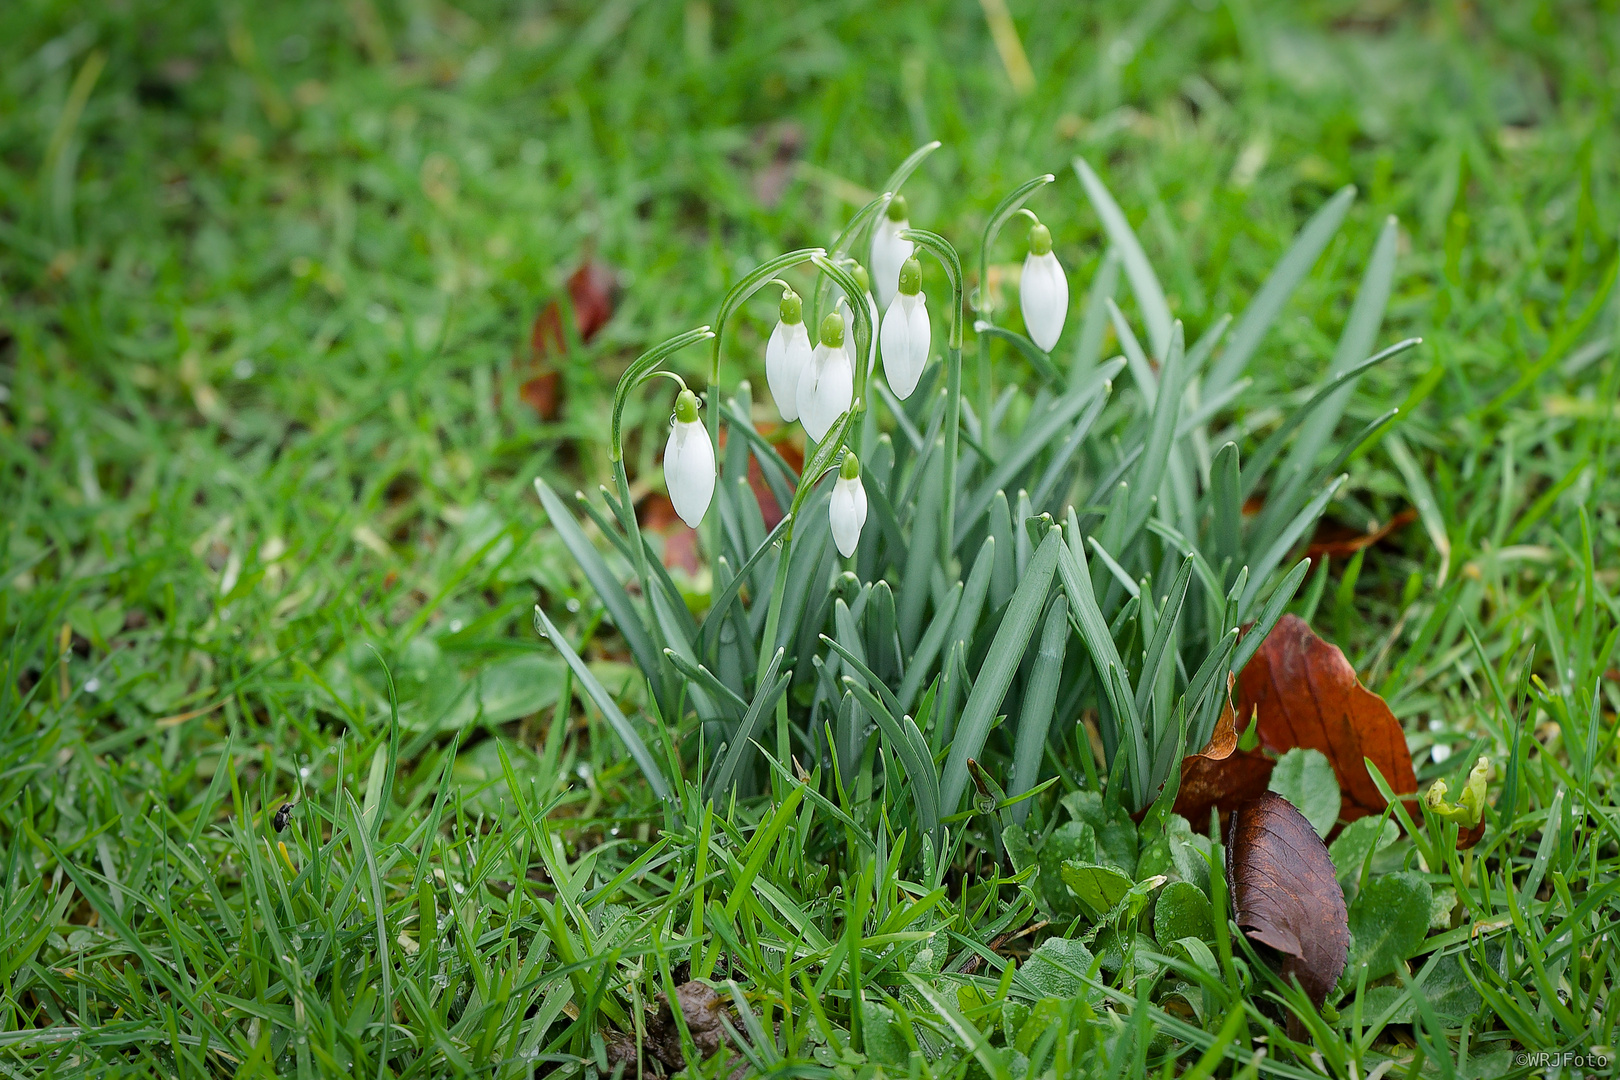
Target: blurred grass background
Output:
[{"x": 268, "y": 275}]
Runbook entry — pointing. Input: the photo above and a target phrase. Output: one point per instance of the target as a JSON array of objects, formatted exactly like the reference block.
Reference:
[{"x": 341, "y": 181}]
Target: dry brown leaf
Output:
[
  {"x": 1220, "y": 783},
  {"x": 656, "y": 514},
  {"x": 1306, "y": 694},
  {"x": 1285, "y": 893},
  {"x": 1337, "y": 541},
  {"x": 1218, "y": 776},
  {"x": 590, "y": 293}
]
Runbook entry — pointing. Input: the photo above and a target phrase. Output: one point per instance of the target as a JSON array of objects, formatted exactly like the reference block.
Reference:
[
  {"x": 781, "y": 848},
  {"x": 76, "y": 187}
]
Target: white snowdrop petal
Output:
[
  {"x": 905, "y": 343},
  {"x": 786, "y": 355},
  {"x": 921, "y": 336},
  {"x": 825, "y": 390},
  {"x": 872, "y": 346},
  {"x": 889, "y": 253},
  {"x": 846, "y": 513},
  {"x": 689, "y": 470},
  {"x": 1043, "y": 294}
]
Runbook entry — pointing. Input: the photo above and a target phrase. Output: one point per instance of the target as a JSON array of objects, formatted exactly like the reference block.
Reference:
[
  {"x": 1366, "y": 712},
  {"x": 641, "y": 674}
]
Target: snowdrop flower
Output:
[
  {"x": 906, "y": 332},
  {"x": 689, "y": 462},
  {"x": 1043, "y": 291},
  {"x": 846, "y": 511},
  {"x": 889, "y": 251},
  {"x": 828, "y": 384},
  {"x": 787, "y": 354},
  {"x": 858, "y": 272}
]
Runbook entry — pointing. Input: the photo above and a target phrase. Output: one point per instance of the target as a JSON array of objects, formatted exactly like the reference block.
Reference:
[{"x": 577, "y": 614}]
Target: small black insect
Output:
[{"x": 283, "y": 815}]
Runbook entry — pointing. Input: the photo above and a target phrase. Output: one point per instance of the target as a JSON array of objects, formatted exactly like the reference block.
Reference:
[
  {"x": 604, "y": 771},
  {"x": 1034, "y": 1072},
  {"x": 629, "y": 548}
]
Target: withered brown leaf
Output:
[
  {"x": 1307, "y": 695},
  {"x": 1285, "y": 893},
  {"x": 591, "y": 288},
  {"x": 1218, "y": 775}
]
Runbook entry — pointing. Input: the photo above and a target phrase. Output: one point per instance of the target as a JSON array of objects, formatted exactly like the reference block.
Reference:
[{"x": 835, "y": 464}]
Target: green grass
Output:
[{"x": 262, "y": 279}]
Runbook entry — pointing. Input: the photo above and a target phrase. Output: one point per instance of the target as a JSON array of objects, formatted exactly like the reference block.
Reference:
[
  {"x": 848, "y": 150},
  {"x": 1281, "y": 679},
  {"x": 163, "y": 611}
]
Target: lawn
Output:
[{"x": 297, "y": 302}]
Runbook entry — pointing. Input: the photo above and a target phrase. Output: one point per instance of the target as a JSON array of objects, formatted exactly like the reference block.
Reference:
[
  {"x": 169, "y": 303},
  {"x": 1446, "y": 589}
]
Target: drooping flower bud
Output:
[
  {"x": 863, "y": 280},
  {"x": 787, "y": 354},
  {"x": 689, "y": 462},
  {"x": 846, "y": 510},
  {"x": 1043, "y": 290},
  {"x": 827, "y": 386},
  {"x": 889, "y": 251},
  {"x": 906, "y": 333}
]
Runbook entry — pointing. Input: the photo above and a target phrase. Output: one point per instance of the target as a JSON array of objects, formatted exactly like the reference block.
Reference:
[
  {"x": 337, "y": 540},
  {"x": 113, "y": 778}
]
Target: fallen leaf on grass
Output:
[
  {"x": 1306, "y": 694},
  {"x": 590, "y": 293},
  {"x": 1220, "y": 776},
  {"x": 656, "y": 514},
  {"x": 1302, "y": 694},
  {"x": 1337, "y": 541},
  {"x": 1285, "y": 893}
]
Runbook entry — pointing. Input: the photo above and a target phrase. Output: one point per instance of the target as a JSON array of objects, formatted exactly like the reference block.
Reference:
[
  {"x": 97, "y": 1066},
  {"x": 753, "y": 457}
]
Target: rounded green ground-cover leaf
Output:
[
  {"x": 1182, "y": 911},
  {"x": 1098, "y": 888},
  {"x": 1305, "y": 778},
  {"x": 1388, "y": 921}
]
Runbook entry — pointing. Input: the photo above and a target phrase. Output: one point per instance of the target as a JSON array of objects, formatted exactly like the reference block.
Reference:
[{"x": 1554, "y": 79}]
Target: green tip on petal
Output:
[
  {"x": 911, "y": 277},
  {"x": 686, "y": 407},
  {"x": 792, "y": 309},
  {"x": 1040, "y": 239},
  {"x": 851, "y": 468},
  {"x": 897, "y": 208},
  {"x": 862, "y": 278},
  {"x": 832, "y": 330}
]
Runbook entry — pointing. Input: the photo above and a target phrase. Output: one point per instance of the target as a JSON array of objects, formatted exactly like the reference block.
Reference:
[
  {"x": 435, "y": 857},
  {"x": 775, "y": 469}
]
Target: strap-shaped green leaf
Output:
[
  {"x": 1226, "y": 506},
  {"x": 1036, "y": 436},
  {"x": 607, "y": 706},
  {"x": 1144, "y": 283},
  {"x": 1040, "y": 695},
  {"x": 1147, "y": 382},
  {"x": 1260, "y": 569},
  {"x": 1157, "y": 648},
  {"x": 710, "y": 630},
  {"x": 1094, "y": 323},
  {"x": 1037, "y": 357},
  {"x": 913, "y": 752},
  {"x": 1000, "y": 664},
  {"x": 1161, "y": 437},
  {"x": 770, "y": 688},
  {"x": 1274, "y": 442},
  {"x": 1275, "y": 604},
  {"x": 728, "y": 700},
  {"x": 921, "y": 665},
  {"x": 1360, "y": 332},
  {"x": 1268, "y": 303},
  {"x": 613, "y": 596}
]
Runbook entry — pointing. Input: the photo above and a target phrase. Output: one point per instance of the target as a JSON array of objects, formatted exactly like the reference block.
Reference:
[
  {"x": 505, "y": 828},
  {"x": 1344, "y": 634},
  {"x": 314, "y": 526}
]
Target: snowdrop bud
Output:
[
  {"x": 906, "y": 332},
  {"x": 787, "y": 354},
  {"x": 889, "y": 251},
  {"x": 689, "y": 462},
  {"x": 847, "y": 509},
  {"x": 863, "y": 280},
  {"x": 828, "y": 384},
  {"x": 1043, "y": 291}
]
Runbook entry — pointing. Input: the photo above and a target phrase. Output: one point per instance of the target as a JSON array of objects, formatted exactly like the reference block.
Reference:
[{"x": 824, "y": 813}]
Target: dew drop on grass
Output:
[
  {"x": 455, "y": 626},
  {"x": 573, "y": 605},
  {"x": 92, "y": 685},
  {"x": 244, "y": 368},
  {"x": 304, "y": 771}
]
